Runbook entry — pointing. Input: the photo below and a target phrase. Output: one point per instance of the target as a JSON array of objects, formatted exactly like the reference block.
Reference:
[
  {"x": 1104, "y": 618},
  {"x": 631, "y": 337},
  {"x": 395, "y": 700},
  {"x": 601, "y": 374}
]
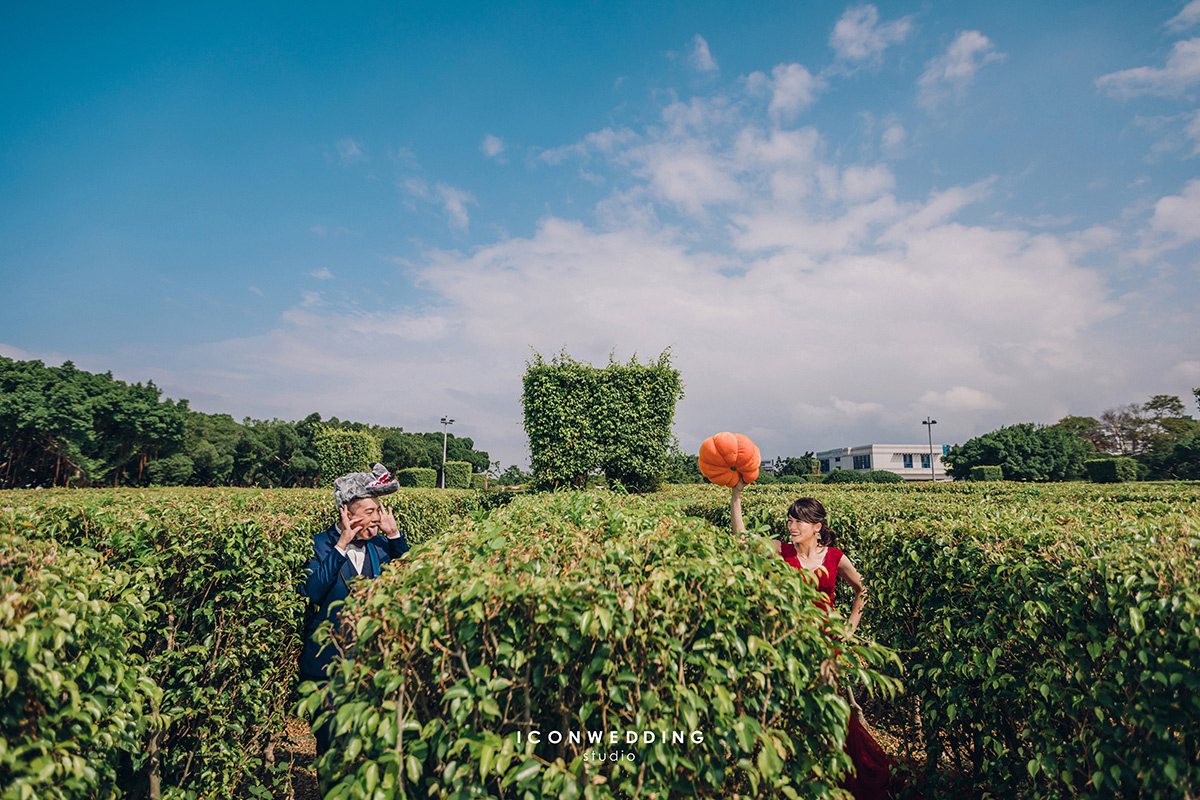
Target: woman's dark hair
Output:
[{"x": 809, "y": 509}]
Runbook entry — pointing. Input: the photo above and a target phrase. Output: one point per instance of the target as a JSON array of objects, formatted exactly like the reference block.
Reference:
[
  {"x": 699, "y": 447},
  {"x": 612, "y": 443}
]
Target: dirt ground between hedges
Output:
[{"x": 299, "y": 746}]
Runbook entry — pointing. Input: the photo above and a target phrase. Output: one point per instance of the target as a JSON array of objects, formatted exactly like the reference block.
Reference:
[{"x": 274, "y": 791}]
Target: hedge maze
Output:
[{"x": 1023, "y": 641}]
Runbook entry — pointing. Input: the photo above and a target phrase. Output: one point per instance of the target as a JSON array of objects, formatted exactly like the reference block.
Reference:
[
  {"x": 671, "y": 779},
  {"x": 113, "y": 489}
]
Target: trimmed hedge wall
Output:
[
  {"x": 846, "y": 476},
  {"x": 1050, "y": 635},
  {"x": 222, "y": 636},
  {"x": 986, "y": 473},
  {"x": 417, "y": 477},
  {"x": 458, "y": 474},
  {"x": 478, "y": 481},
  {"x": 588, "y": 612},
  {"x": 77, "y": 701},
  {"x": 1111, "y": 470},
  {"x": 341, "y": 451}
]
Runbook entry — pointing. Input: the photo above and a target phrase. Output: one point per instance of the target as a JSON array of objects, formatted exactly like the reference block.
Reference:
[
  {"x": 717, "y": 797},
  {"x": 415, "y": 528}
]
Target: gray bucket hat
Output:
[{"x": 357, "y": 485}]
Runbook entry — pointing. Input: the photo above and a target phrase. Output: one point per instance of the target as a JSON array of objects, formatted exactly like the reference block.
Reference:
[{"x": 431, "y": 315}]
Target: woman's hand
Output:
[{"x": 387, "y": 523}]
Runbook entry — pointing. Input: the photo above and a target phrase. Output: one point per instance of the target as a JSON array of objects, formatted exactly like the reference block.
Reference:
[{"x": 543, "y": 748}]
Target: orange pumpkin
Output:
[{"x": 726, "y": 457}]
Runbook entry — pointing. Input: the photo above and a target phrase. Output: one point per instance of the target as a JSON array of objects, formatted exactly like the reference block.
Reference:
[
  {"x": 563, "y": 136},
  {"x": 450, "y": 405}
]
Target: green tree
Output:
[
  {"x": 681, "y": 467},
  {"x": 1026, "y": 452},
  {"x": 806, "y": 464},
  {"x": 63, "y": 425},
  {"x": 211, "y": 442},
  {"x": 1086, "y": 428},
  {"x": 513, "y": 476}
]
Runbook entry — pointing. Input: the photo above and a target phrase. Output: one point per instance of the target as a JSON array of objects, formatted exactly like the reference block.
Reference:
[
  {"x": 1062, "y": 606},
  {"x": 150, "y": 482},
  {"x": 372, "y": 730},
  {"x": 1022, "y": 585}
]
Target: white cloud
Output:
[
  {"x": 893, "y": 138},
  {"x": 349, "y": 151},
  {"x": 256, "y": 290},
  {"x": 952, "y": 73},
  {"x": 601, "y": 142},
  {"x": 819, "y": 299},
  {"x": 960, "y": 398},
  {"x": 1178, "y": 216},
  {"x": 859, "y": 36},
  {"x": 1181, "y": 72},
  {"x": 1186, "y": 18},
  {"x": 685, "y": 174},
  {"x": 491, "y": 146},
  {"x": 1192, "y": 131},
  {"x": 699, "y": 56},
  {"x": 791, "y": 86},
  {"x": 322, "y": 274},
  {"x": 454, "y": 202},
  {"x": 866, "y": 183}
]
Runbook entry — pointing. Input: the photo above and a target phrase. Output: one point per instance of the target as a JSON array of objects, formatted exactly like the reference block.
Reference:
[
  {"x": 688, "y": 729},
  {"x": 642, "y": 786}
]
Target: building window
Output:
[
  {"x": 908, "y": 460},
  {"x": 824, "y": 465},
  {"x": 924, "y": 461},
  {"x": 862, "y": 462}
]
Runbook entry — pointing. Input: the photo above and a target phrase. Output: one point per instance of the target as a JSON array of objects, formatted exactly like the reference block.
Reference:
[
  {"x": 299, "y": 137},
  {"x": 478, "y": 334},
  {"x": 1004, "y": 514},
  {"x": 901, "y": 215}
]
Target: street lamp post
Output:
[
  {"x": 930, "y": 422},
  {"x": 446, "y": 422}
]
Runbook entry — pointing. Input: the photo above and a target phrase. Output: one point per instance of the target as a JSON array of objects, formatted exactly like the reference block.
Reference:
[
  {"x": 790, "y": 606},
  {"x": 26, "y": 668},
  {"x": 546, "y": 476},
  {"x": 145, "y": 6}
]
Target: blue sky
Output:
[{"x": 840, "y": 218}]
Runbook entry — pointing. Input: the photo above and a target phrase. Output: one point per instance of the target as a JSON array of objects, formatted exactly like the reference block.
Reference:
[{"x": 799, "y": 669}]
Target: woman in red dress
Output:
[{"x": 812, "y": 549}]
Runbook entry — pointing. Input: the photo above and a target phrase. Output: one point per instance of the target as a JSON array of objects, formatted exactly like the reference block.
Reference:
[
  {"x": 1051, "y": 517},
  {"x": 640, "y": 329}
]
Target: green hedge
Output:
[
  {"x": 985, "y": 473},
  {"x": 341, "y": 451},
  {"x": 846, "y": 476},
  {"x": 578, "y": 612},
  {"x": 458, "y": 474},
  {"x": 884, "y": 476},
  {"x": 1111, "y": 470},
  {"x": 77, "y": 701},
  {"x": 417, "y": 477},
  {"x": 1050, "y": 635},
  {"x": 479, "y": 481},
  {"x": 222, "y": 637},
  {"x": 793, "y": 479}
]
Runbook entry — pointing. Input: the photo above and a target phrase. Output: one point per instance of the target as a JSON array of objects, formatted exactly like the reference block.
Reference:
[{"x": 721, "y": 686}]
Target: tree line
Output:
[
  {"x": 63, "y": 426},
  {"x": 1161, "y": 438}
]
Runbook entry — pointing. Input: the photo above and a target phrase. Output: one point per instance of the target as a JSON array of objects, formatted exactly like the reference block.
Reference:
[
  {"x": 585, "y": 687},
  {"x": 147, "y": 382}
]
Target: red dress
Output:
[{"x": 872, "y": 766}]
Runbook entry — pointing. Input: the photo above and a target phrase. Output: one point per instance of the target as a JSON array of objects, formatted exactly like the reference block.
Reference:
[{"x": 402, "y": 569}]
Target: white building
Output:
[{"x": 909, "y": 461}]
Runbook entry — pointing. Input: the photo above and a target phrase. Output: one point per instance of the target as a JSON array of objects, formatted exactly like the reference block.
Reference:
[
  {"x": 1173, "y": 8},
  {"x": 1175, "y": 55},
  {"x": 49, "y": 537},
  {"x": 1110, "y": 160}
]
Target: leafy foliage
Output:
[
  {"x": 1050, "y": 635},
  {"x": 458, "y": 475},
  {"x": 221, "y": 638},
  {"x": 580, "y": 418},
  {"x": 1025, "y": 452},
  {"x": 846, "y": 476},
  {"x": 65, "y": 426},
  {"x": 588, "y": 612},
  {"x": 77, "y": 700},
  {"x": 806, "y": 464},
  {"x": 1111, "y": 470},
  {"x": 422, "y": 477},
  {"x": 992, "y": 473},
  {"x": 341, "y": 451}
]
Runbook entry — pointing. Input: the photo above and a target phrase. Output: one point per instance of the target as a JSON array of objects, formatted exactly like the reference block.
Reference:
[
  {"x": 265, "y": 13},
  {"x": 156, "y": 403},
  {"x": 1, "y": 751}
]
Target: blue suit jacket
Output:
[{"x": 328, "y": 581}]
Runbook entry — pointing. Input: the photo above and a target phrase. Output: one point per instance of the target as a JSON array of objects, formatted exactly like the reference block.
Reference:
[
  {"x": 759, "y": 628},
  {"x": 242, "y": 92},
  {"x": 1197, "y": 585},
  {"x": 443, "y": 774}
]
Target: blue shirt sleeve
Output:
[{"x": 323, "y": 570}]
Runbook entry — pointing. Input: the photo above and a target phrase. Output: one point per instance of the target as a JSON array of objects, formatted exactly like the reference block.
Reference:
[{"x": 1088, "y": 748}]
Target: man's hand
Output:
[
  {"x": 351, "y": 529},
  {"x": 387, "y": 523}
]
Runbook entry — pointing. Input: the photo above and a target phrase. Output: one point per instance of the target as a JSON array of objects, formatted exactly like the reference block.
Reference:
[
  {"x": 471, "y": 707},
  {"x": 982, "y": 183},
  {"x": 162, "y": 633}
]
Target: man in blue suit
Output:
[{"x": 357, "y": 546}]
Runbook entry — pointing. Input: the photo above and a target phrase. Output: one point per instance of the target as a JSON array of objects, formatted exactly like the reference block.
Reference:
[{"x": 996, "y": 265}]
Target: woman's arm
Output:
[
  {"x": 735, "y": 509},
  {"x": 849, "y": 574},
  {"x": 739, "y": 527}
]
